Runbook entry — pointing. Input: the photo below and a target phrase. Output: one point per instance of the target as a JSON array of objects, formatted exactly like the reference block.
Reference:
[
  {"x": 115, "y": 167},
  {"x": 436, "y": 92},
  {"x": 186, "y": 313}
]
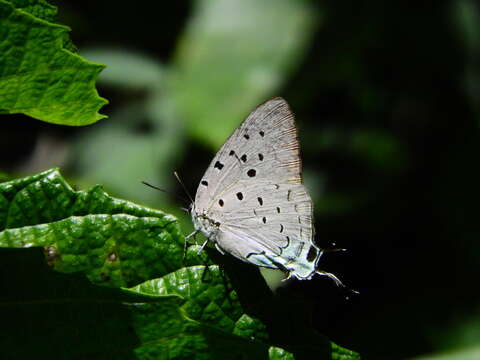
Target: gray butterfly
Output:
[{"x": 251, "y": 201}]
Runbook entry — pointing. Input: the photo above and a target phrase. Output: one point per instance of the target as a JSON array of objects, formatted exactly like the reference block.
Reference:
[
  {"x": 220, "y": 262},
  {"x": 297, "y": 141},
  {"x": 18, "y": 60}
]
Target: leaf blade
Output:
[{"x": 39, "y": 76}]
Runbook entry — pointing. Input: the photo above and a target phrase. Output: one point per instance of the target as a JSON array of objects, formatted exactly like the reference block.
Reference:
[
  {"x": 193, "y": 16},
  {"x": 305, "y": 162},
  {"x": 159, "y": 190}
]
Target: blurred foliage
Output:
[
  {"x": 466, "y": 354},
  {"x": 387, "y": 102},
  {"x": 231, "y": 57}
]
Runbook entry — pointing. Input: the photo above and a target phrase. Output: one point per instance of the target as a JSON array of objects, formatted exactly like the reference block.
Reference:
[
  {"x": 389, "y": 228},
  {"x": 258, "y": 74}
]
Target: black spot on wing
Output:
[
  {"x": 219, "y": 165},
  {"x": 251, "y": 172}
]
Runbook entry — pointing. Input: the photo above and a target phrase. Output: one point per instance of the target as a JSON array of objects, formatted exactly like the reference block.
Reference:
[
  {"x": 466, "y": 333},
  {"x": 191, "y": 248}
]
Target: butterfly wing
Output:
[
  {"x": 269, "y": 225},
  {"x": 253, "y": 191}
]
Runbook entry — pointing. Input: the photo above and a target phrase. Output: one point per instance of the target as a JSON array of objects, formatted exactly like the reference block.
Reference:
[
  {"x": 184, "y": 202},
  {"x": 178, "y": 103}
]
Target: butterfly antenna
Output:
[
  {"x": 163, "y": 190},
  {"x": 153, "y": 186},
  {"x": 184, "y": 187}
]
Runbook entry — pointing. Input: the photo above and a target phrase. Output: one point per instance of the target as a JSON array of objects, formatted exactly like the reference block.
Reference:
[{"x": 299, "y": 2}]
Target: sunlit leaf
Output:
[
  {"x": 40, "y": 77},
  {"x": 114, "y": 241}
]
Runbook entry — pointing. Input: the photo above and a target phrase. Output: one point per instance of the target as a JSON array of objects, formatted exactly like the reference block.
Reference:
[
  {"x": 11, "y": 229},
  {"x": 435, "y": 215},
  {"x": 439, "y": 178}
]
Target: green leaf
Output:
[
  {"x": 39, "y": 76},
  {"x": 184, "y": 310},
  {"x": 209, "y": 299},
  {"x": 114, "y": 241},
  {"x": 38, "y": 8},
  {"x": 276, "y": 353},
  {"x": 209, "y": 303},
  {"x": 234, "y": 55}
]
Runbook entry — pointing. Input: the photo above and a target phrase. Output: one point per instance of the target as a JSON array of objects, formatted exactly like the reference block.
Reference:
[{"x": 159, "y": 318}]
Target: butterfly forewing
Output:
[{"x": 264, "y": 147}]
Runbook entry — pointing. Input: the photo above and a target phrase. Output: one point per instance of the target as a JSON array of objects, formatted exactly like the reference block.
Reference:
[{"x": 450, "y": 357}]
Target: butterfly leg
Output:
[
  {"x": 192, "y": 235},
  {"x": 186, "y": 240},
  {"x": 202, "y": 247},
  {"x": 220, "y": 250}
]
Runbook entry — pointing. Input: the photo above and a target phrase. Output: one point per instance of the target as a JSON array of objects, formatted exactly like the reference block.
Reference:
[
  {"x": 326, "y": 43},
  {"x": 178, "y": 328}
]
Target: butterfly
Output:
[{"x": 251, "y": 201}]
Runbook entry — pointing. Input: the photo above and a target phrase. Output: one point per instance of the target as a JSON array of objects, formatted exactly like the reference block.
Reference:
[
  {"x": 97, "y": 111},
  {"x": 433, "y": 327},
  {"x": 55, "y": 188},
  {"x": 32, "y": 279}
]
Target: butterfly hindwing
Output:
[{"x": 273, "y": 215}]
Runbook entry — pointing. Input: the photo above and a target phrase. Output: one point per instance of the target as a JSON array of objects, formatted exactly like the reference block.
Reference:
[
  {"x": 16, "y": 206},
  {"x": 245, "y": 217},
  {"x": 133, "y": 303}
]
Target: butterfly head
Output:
[
  {"x": 195, "y": 218},
  {"x": 203, "y": 223}
]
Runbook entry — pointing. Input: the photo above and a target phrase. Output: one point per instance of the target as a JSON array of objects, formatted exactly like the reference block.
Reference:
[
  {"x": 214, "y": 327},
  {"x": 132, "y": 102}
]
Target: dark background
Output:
[{"x": 386, "y": 100}]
